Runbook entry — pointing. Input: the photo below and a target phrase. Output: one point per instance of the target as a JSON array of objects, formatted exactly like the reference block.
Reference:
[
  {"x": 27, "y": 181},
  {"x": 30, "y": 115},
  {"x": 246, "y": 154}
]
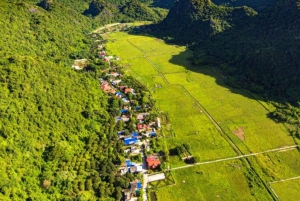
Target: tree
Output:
[{"x": 46, "y": 4}]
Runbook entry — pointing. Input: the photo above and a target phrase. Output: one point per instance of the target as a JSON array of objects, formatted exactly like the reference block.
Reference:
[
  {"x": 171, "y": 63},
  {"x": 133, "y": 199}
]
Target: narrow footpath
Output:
[{"x": 286, "y": 148}]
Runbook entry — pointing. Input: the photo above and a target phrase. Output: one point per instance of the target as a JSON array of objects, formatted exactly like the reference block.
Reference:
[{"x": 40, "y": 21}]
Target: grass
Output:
[
  {"x": 121, "y": 47},
  {"x": 221, "y": 181},
  {"x": 190, "y": 125},
  {"x": 153, "y": 46},
  {"x": 277, "y": 165},
  {"x": 233, "y": 108},
  {"x": 230, "y": 108},
  {"x": 163, "y": 64},
  {"x": 141, "y": 67},
  {"x": 287, "y": 190},
  {"x": 163, "y": 183}
]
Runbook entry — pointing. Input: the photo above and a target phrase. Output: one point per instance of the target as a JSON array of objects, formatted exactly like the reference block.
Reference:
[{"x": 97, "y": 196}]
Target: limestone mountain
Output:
[{"x": 258, "y": 51}]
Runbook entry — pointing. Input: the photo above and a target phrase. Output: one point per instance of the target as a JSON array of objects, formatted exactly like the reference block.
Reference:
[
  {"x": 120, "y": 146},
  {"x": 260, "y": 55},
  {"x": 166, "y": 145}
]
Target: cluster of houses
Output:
[
  {"x": 106, "y": 58},
  {"x": 133, "y": 191},
  {"x": 144, "y": 126}
]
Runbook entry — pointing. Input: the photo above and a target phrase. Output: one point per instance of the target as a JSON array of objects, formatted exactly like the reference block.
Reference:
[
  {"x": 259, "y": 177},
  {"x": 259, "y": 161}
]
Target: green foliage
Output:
[
  {"x": 46, "y": 4},
  {"x": 255, "y": 4},
  {"x": 136, "y": 10},
  {"x": 56, "y": 134},
  {"x": 198, "y": 20},
  {"x": 125, "y": 11}
]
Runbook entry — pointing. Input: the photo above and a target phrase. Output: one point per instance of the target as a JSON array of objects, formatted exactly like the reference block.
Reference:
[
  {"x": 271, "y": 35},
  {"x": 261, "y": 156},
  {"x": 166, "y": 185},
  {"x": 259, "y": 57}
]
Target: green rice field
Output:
[
  {"x": 217, "y": 122},
  {"x": 287, "y": 190}
]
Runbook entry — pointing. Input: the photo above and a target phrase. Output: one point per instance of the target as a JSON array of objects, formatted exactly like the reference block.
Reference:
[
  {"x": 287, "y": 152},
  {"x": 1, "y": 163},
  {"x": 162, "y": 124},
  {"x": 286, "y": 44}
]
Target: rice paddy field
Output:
[
  {"x": 287, "y": 190},
  {"x": 215, "y": 120}
]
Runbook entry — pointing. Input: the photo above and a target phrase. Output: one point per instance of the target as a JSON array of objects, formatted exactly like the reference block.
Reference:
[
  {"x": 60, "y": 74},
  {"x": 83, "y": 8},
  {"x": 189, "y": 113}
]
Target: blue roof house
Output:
[
  {"x": 139, "y": 185},
  {"x": 129, "y": 141},
  {"x": 134, "y": 134},
  {"x": 121, "y": 132},
  {"x": 128, "y": 162},
  {"x": 152, "y": 134},
  {"x": 123, "y": 111}
]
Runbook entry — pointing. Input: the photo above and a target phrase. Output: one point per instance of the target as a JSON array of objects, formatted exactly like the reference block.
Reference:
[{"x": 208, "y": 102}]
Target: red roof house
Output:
[
  {"x": 105, "y": 86},
  {"x": 142, "y": 127},
  {"x": 128, "y": 90},
  {"x": 153, "y": 162}
]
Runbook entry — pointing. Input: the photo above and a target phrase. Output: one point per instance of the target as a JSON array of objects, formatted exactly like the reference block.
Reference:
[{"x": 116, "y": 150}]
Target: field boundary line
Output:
[
  {"x": 287, "y": 148},
  {"x": 238, "y": 151},
  {"x": 283, "y": 180},
  {"x": 146, "y": 57}
]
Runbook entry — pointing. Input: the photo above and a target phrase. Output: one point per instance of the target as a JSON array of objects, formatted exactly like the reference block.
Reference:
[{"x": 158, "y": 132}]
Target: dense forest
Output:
[
  {"x": 58, "y": 137},
  {"x": 257, "y": 50}
]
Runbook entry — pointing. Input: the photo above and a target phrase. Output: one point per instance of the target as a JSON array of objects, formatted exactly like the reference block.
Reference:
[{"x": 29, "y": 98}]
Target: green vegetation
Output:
[
  {"x": 123, "y": 11},
  {"x": 225, "y": 181},
  {"x": 288, "y": 190},
  {"x": 255, "y": 4},
  {"x": 178, "y": 92},
  {"x": 58, "y": 137},
  {"x": 253, "y": 50},
  {"x": 58, "y": 131}
]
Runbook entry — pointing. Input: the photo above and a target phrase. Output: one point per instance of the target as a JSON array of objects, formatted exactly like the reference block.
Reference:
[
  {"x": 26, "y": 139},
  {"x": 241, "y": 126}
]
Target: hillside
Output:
[
  {"x": 258, "y": 51},
  {"x": 123, "y": 11},
  {"x": 198, "y": 20},
  {"x": 257, "y": 5},
  {"x": 57, "y": 137}
]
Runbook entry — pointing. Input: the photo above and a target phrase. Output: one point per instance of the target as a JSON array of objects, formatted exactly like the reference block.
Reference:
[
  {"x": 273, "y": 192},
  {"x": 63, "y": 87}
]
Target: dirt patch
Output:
[
  {"x": 239, "y": 133},
  {"x": 153, "y": 196},
  {"x": 159, "y": 40}
]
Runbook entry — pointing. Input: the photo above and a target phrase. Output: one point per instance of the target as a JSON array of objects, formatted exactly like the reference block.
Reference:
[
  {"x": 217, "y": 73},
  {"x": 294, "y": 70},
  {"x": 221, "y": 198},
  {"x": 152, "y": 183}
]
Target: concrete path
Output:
[
  {"x": 283, "y": 180},
  {"x": 286, "y": 148},
  {"x": 145, "y": 175},
  {"x": 106, "y": 26}
]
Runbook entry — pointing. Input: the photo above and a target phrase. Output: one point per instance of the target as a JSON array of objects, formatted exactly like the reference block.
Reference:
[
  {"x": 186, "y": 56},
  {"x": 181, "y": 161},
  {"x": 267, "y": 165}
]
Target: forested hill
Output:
[
  {"x": 258, "y": 51},
  {"x": 255, "y": 4},
  {"x": 190, "y": 21},
  {"x": 57, "y": 138}
]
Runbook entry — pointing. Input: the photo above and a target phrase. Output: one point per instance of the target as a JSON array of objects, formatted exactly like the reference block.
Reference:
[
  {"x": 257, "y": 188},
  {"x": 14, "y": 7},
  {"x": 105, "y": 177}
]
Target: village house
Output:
[
  {"x": 125, "y": 118},
  {"x": 116, "y": 82},
  {"x": 125, "y": 100},
  {"x": 141, "y": 116},
  {"x": 130, "y": 140},
  {"x": 123, "y": 169},
  {"x": 134, "y": 150},
  {"x": 79, "y": 64},
  {"x": 133, "y": 191},
  {"x": 153, "y": 162},
  {"x": 105, "y": 86},
  {"x": 114, "y": 74},
  {"x": 143, "y": 127},
  {"x": 129, "y": 90},
  {"x": 150, "y": 133},
  {"x": 102, "y": 54},
  {"x": 118, "y": 94}
]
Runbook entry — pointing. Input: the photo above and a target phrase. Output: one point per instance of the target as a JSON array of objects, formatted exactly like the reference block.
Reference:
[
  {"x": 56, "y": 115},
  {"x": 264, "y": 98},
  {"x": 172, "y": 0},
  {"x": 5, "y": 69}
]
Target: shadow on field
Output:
[
  {"x": 206, "y": 69},
  {"x": 212, "y": 71}
]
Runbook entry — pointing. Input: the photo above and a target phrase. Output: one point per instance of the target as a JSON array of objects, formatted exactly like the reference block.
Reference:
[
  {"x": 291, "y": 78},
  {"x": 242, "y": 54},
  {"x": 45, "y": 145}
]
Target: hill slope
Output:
[
  {"x": 57, "y": 139},
  {"x": 258, "y": 51},
  {"x": 190, "y": 21}
]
